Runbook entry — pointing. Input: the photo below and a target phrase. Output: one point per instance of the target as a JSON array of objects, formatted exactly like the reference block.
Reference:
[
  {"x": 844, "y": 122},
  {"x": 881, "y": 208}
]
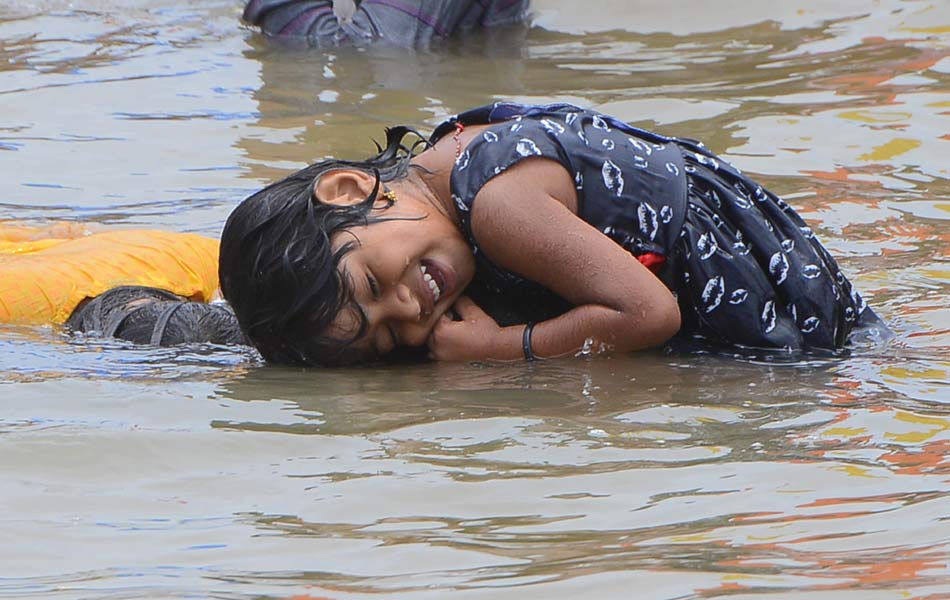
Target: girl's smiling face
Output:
[{"x": 403, "y": 273}]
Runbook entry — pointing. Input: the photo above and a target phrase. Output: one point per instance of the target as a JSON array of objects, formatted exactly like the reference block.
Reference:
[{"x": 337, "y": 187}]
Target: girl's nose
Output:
[
  {"x": 405, "y": 306},
  {"x": 406, "y": 314}
]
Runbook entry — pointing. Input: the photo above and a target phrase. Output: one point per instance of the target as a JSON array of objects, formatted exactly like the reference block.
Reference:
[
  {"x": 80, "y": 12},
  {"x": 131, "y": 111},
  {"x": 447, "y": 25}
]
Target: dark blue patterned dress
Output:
[{"x": 746, "y": 269}]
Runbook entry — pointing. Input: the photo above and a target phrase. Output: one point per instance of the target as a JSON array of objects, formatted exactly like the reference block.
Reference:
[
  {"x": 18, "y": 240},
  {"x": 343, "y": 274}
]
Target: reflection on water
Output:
[{"x": 137, "y": 472}]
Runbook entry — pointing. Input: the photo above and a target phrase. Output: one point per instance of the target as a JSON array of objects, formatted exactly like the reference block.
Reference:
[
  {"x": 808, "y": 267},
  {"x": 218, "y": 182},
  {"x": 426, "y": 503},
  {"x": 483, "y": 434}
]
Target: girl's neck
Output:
[
  {"x": 434, "y": 189},
  {"x": 436, "y": 166}
]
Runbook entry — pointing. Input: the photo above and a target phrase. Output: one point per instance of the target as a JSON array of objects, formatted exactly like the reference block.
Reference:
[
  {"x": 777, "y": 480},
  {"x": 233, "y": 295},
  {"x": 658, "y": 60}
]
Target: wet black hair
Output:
[
  {"x": 278, "y": 270},
  {"x": 146, "y": 315}
]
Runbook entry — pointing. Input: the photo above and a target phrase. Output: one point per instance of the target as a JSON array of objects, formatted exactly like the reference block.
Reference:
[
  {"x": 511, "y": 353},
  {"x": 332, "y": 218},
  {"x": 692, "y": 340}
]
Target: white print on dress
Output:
[
  {"x": 613, "y": 177},
  {"x": 552, "y": 127},
  {"x": 712, "y": 293},
  {"x": 526, "y": 147},
  {"x": 666, "y": 213},
  {"x": 810, "y": 324},
  {"x": 462, "y": 161},
  {"x": 646, "y": 214},
  {"x": 706, "y": 245},
  {"x": 599, "y": 123},
  {"x": 640, "y": 146},
  {"x": 768, "y": 316},
  {"x": 778, "y": 267}
]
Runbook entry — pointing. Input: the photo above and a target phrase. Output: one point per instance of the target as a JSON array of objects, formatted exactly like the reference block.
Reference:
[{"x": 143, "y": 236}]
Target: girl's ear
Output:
[{"x": 343, "y": 186}]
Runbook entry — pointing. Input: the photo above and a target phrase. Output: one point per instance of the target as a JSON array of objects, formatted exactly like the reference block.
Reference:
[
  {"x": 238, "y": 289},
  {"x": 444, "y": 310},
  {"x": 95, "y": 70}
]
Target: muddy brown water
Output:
[{"x": 199, "y": 472}]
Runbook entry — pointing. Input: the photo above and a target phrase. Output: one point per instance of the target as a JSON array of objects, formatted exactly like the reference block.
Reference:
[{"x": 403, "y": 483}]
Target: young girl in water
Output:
[{"x": 575, "y": 227}]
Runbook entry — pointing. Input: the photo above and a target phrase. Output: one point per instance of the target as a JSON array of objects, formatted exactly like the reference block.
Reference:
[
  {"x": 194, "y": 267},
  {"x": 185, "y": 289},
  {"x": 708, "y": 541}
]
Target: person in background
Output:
[
  {"x": 149, "y": 315},
  {"x": 406, "y": 23}
]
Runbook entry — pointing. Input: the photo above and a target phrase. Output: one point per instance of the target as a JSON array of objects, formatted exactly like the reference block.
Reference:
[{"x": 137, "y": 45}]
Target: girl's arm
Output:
[{"x": 524, "y": 221}]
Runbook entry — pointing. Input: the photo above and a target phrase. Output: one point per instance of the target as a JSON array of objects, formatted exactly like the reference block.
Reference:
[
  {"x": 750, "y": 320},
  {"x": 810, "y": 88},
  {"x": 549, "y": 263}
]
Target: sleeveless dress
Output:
[{"x": 745, "y": 268}]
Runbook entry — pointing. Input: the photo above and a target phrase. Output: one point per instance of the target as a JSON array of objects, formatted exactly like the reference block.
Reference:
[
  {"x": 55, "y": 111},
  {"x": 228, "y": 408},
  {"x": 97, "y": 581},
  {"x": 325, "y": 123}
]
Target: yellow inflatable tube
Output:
[{"x": 45, "y": 273}]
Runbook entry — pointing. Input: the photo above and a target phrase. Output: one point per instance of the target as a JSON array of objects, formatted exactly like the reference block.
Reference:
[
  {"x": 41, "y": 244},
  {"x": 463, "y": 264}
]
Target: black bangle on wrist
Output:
[{"x": 526, "y": 342}]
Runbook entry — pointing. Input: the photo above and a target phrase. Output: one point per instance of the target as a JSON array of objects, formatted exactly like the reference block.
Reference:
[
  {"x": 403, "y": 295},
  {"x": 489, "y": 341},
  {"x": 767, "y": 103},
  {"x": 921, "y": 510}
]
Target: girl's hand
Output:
[{"x": 474, "y": 337}]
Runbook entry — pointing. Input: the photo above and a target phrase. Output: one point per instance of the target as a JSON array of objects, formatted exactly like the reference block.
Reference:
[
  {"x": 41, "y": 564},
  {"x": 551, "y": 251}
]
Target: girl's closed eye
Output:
[
  {"x": 373, "y": 285},
  {"x": 377, "y": 294}
]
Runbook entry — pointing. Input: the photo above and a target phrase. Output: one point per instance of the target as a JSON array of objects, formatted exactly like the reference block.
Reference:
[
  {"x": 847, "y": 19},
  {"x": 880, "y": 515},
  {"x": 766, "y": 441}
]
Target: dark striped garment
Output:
[{"x": 408, "y": 23}]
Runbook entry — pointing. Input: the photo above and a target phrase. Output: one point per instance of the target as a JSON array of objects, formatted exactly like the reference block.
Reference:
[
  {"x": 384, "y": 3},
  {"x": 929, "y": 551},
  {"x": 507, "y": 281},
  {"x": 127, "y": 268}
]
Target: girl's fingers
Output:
[{"x": 443, "y": 327}]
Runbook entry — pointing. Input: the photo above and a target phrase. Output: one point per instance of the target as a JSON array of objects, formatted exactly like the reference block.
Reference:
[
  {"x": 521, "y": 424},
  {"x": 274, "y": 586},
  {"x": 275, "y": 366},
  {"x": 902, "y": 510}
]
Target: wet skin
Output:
[
  {"x": 617, "y": 301},
  {"x": 404, "y": 273}
]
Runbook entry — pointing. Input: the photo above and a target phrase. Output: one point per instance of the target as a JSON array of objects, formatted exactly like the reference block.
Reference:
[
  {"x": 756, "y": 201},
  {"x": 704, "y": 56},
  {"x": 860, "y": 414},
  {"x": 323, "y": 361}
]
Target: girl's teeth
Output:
[{"x": 433, "y": 286}]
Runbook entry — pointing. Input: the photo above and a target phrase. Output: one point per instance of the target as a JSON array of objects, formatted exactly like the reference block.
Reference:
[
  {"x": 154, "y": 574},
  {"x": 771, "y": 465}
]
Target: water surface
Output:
[{"x": 198, "y": 472}]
